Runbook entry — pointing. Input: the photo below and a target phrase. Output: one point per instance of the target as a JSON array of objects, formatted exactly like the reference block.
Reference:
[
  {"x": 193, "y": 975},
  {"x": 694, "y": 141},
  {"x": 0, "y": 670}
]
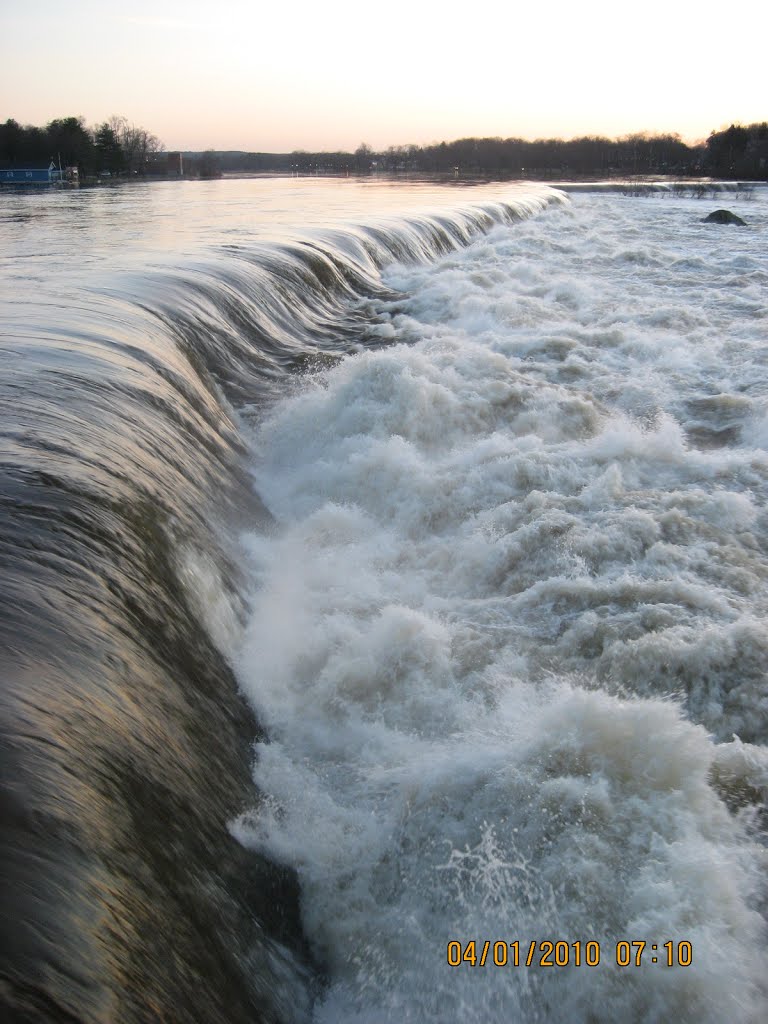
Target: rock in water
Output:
[{"x": 723, "y": 217}]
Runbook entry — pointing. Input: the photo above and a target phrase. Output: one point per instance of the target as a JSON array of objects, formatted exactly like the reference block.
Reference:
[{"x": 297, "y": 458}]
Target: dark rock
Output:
[{"x": 723, "y": 217}]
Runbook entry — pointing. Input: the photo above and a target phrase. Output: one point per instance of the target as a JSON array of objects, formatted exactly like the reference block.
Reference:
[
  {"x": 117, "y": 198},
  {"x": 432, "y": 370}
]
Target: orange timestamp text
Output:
[{"x": 561, "y": 953}]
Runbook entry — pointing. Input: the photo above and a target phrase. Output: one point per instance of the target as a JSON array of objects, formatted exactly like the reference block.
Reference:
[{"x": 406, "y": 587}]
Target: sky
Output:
[{"x": 330, "y": 74}]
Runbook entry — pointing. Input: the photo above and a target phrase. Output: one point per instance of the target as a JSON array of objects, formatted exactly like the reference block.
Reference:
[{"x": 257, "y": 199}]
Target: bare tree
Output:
[{"x": 137, "y": 144}]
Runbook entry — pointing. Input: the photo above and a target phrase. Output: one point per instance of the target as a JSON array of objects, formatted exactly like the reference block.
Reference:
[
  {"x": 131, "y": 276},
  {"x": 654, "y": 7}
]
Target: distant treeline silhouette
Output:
[
  {"x": 737, "y": 152},
  {"x": 116, "y": 146},
  {"x": 121, "y": 149}
]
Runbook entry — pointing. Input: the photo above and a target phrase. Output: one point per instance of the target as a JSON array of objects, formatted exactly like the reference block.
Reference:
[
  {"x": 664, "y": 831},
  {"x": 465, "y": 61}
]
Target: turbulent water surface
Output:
[{"x": 449, "y": 500}]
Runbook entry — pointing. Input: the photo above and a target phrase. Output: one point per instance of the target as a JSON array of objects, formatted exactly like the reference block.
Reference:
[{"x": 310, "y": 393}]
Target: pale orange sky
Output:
[{"x": 238, "y": 74}]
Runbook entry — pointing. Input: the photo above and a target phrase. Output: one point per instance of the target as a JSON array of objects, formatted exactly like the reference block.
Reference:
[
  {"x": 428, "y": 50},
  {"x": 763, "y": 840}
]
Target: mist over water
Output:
[{"x": 452, "y": 502}]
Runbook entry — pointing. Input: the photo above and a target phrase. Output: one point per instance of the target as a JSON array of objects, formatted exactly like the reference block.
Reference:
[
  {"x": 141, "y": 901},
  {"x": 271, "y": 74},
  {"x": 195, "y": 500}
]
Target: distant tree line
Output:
[
  {"x": 737, "y": 152},
  {"x": 549, "y": 158},
  {"x": 202, "y": 165},
  {"x": 119, "y": 148},
  {"x": 115, "y": 147}
]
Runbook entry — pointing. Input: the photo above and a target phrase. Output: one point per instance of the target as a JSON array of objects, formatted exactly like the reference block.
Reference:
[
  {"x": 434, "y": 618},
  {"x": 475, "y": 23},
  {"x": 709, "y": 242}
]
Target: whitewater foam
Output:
[{"x": 509, "y": 619}]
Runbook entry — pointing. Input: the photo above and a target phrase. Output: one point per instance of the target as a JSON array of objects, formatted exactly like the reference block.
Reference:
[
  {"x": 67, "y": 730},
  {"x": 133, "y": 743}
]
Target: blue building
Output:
[{"x": 35, "y": 174}]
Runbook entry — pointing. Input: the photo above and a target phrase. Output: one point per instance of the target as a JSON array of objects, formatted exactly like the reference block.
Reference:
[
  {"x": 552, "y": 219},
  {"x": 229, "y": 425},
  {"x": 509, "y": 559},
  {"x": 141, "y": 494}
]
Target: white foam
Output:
[{"x": 509, "y": 600}]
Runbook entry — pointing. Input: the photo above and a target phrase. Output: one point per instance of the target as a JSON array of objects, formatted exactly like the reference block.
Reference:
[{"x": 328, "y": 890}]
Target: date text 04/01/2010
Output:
[{"x": 546, "y": 953}]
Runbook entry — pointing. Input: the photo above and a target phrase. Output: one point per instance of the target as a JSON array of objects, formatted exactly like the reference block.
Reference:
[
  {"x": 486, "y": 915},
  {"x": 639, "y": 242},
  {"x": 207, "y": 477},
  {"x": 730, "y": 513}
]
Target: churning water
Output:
[{"x": 453, "y": 501}]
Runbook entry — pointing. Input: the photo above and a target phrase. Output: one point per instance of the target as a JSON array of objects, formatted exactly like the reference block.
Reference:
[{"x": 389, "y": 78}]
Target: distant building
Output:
[
  {"x": 164, "y": 165},
  {"x": 33, "y": 174}
]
